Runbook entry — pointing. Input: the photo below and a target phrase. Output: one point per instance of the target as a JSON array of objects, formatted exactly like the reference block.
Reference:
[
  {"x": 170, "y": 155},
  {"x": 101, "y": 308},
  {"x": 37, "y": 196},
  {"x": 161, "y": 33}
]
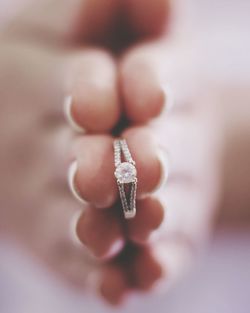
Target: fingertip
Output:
[
  {"x": 144, "y": 97},
  {"x": 114, "y": 249},
  {"x": 101, "y": 233},
  {"x": 91, "y": 81},
  {"x": 150, "y": 215},
  {"x": 147, "y": 271},
  {"x": 73, "y": 228},
  {"x": 148, "y": 18},
  {"x": 95, "y": 175},
  {"x": 114, "y": 285},
  {"x": 96, "y": 106},
  {"x": 144, "y": 149}
]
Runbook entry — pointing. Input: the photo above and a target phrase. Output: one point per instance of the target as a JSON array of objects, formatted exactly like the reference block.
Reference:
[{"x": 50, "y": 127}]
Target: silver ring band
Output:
[{"x": 125, "y": 174}]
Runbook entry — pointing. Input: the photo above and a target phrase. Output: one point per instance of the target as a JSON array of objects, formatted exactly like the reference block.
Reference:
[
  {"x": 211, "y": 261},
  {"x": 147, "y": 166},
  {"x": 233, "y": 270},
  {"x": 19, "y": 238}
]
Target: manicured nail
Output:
[
  {"x": 71, "y": 182},
  {"x": 68, "y": 114},
  {"x": 115, "y": 248},
  {"x": 72, "y": 228},
  {"x": 169, "y": 97},
  {"x": 164, "y": 162},
  {"x": 105, "y": 203}
]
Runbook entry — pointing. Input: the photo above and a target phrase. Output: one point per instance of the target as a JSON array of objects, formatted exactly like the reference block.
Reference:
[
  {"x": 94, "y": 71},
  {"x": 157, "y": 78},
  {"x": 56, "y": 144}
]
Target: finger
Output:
[
  {"x": 91, "y": 97},
  {"x": 147, "y": 18},
  {"x": 145, "y": 269},
  {"x": 94, "y": 173},
  {"x": 101, "y": 232},
  {"x": 108, "y": 239},
  {"x": 149, "y": 216},
  {"x": 94, "y": 176},
  {"x": 114, "y": 284},
  {"x": 142, "y": 91},
  {"x": 151, "y": 163},
  {"x": 92, "y": 85}
]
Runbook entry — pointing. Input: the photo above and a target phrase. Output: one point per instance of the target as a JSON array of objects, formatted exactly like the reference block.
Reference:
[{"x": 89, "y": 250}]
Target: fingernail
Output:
[
  {"x": 68, "y": 114},
  {"x": 71, "y": 182},
  {"x": 164, "y": 162},
  {"x": 115, "y": 248},
  {"x": 105, "y": 203},
  {"x": 72, "y": 228},
  {"x": 169, "y": 97}
]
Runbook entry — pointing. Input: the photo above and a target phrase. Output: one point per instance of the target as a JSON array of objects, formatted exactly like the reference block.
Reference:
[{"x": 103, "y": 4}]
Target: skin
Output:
[{"x": 38, "y": 145}]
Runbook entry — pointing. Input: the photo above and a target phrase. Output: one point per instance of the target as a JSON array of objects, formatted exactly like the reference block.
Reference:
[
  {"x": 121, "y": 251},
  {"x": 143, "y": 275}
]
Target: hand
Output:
[
  {"x": 42, "y": 147},
  {"x": 191, "y": 194},
  {"x": 38, "y": 58}
]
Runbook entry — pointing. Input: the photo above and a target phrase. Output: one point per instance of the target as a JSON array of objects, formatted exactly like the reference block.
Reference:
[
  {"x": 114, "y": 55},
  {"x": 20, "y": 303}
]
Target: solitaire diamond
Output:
[{"x": 125, "y": 173}]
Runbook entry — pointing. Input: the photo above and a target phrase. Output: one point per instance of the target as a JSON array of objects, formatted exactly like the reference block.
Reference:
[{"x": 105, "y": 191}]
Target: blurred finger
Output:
[
  {"x": 145, "y": 269},
  {"x": 147, "y": 18},
  {"x": 149, "y": 216},
  {"x": 93, "y": 103},
  {"x": 150, "y": 163},
  {"x": 94, "y": 175},
  {"x": 114, "y": 284},
  {"x": 101, "y": 232},
  {"x": 144, "y": 95}
]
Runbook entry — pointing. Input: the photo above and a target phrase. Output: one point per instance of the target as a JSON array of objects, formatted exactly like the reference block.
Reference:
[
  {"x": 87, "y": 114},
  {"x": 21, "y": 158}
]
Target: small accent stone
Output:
[{"x": 125, "y": 173}]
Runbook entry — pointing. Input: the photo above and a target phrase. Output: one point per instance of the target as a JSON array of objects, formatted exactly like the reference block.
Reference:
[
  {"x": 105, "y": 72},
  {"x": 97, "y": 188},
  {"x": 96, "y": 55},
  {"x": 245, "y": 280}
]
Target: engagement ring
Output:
[{"x": 125, "y": 174}]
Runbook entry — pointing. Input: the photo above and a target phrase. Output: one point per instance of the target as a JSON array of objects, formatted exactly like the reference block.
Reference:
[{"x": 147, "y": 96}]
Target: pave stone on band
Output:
[{"x": 125, "y": 174}]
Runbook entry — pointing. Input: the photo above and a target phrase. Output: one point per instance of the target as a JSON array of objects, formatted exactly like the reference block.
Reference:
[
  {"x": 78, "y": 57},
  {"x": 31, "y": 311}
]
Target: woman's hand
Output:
[
  {"x": 41, "y": 62},
  {"x": 180, "y": 142}
]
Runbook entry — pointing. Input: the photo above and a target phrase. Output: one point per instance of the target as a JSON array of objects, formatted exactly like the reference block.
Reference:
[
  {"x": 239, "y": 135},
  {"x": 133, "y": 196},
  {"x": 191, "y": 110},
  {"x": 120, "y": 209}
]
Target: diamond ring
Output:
[{"x": 125, "y": 174}]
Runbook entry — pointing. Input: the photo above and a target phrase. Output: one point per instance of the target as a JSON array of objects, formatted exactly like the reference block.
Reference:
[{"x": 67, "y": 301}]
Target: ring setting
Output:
[{"x": 125, "y": 174}]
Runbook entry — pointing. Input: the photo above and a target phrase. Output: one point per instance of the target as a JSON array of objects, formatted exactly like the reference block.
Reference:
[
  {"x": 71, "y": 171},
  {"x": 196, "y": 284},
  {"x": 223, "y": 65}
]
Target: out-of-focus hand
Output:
[
  {"x": 41, "y": 61},
  {"x": 39, "y": 56},
  {"x": 182, "y": 139}
]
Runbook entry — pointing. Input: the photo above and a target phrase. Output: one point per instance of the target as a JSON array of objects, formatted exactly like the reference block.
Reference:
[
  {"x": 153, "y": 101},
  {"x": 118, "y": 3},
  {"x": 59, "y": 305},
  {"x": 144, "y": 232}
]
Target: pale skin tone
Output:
[{"x": 40, "y": 65}]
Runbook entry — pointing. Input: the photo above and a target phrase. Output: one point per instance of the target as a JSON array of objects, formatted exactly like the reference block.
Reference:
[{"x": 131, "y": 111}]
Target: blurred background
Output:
[{"x": 220, "y": 279}]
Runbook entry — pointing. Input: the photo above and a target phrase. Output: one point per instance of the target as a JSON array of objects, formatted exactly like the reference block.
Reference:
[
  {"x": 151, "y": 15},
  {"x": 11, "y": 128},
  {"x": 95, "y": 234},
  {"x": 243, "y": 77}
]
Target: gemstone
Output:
[{"x": 125, "y": 173}]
